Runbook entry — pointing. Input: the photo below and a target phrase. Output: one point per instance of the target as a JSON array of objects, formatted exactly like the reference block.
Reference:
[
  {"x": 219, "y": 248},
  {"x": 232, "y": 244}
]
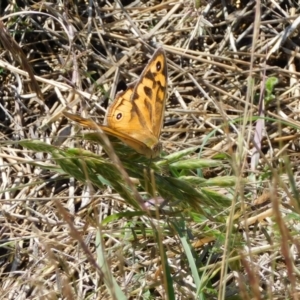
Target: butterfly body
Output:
[{"x": 136, "y": 115}]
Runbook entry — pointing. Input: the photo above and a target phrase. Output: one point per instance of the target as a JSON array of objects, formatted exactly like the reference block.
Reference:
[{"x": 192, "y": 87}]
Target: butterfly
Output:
[{"x": 136, "y": 115}]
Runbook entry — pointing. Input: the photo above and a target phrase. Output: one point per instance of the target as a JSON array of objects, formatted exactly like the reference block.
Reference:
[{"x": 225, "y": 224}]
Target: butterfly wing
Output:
[
  {"x": 137, "y": 145},
  {"x": 123, "y": 119},
  {"x": 150, "y": 93},
  {"x": 138, "y": 112}
]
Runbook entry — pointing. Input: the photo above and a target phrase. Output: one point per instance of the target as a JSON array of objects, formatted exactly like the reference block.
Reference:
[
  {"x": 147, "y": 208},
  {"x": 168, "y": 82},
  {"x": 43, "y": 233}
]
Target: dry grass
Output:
[{"x": 215, "y": 218}]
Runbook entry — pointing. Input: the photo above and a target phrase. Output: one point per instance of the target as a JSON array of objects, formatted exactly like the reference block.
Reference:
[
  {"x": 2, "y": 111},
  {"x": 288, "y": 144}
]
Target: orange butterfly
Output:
[{"x": 136, "y": 115}]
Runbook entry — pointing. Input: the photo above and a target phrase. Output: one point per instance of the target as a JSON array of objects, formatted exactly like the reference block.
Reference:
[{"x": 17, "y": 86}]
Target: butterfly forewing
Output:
[
  {"x": 119, "y": 112},
  {"x": 149, "y": 94},
  {"x": 122, "y": 115}
]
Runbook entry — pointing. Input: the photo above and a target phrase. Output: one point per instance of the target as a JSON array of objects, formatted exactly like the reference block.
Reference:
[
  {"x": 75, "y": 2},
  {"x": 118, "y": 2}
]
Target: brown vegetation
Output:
[{"x": 216, "y": 217}]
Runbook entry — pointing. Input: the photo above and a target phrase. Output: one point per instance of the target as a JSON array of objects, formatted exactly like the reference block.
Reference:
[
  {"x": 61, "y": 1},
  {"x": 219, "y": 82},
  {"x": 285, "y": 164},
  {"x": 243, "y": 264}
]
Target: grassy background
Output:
[{"x": 85, "y": 217}]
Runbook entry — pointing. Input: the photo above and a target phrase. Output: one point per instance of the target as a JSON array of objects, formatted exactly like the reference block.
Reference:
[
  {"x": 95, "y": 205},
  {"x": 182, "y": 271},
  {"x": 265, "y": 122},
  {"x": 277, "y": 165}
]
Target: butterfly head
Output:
[{"x": 155, "y": 150}]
